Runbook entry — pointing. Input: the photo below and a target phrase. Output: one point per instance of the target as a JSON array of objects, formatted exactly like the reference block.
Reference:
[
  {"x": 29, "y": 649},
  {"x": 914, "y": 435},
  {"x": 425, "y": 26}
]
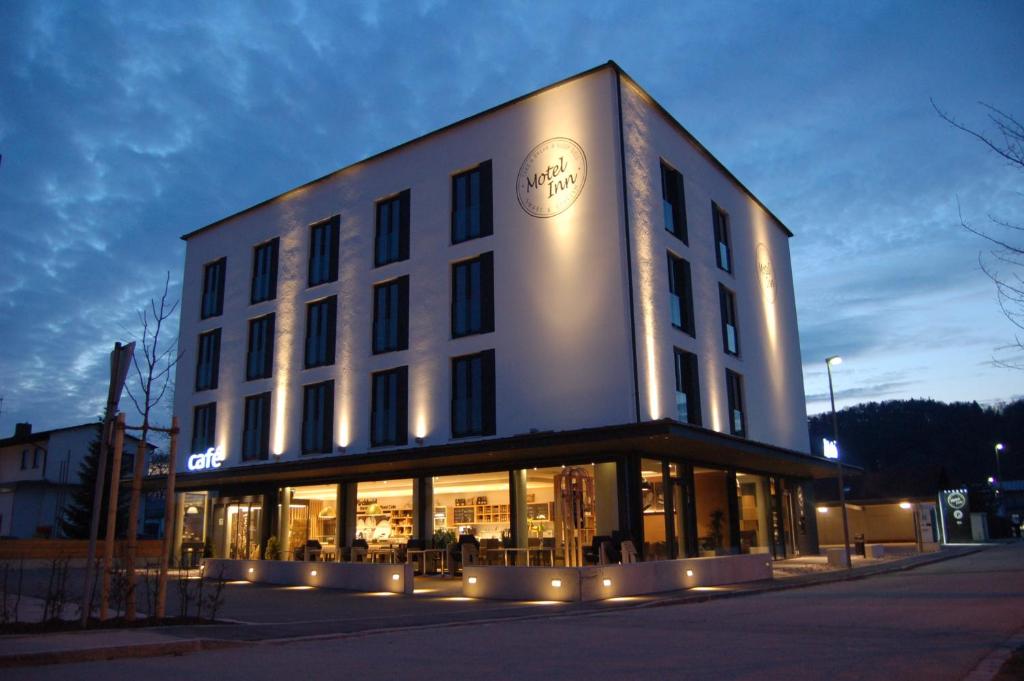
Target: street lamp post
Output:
[
  {"x": 829, "y": 361},
  {"x": 999, "y": 473}
]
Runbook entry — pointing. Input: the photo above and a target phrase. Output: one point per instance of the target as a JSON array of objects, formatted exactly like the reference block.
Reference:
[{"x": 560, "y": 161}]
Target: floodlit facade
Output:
[{"x": 428, "y": 342}]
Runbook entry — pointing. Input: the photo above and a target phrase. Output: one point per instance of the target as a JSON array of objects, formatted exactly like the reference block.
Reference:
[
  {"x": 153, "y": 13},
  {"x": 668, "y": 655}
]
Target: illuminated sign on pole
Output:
[
  {"x": 830, "y": 448},
  {"x": 211, "y": 458}
]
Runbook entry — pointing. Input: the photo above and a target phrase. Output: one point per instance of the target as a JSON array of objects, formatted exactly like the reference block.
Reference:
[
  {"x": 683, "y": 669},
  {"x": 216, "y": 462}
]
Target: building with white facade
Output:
[{"x": 427, "y": 341}]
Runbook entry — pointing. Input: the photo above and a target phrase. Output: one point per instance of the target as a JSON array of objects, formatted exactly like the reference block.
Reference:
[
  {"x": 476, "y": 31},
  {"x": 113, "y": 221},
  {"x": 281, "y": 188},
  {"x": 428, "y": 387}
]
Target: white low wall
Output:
[
  {"x": 609, "y": 581},
  {"x": 349, "y": 576}
]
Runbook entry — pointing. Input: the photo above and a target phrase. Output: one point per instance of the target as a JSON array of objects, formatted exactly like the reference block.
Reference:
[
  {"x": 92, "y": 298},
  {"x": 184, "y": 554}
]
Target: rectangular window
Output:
[
  {"x": 734, "y": 388},
  {"x": 673, "y": 202},
  {"x": 681, "y": 294},
  {"x": 472, "y": 215},
  {"x": 318, "y": 418},
  {"x": 323, "y": 251},
  {"x": 391, "y": 316},
  {"x": 392, "y": 240},
  {"x": 204, "y": 427},
  {"x": 473, "y": 404},
  {"x": 390, "y": 408},
  {"x": 730, "y": 335},
  {"x": 473, "y": 296},
  {"x": 687, "y": 388},
  {"x": 264, "y": 272},
  {"x": 256, "y": 428},
  {"x": 259, "y": 360},
  {"x": 723, "y": 249},
  {"x": 213, "y": 288},
  {"x": 321, "y": 318},
  {"x": 208, "y": 360}
]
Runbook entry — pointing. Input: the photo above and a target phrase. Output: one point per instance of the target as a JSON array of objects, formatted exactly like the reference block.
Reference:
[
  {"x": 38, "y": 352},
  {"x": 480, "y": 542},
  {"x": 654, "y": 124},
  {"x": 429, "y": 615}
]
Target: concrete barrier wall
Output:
[
  {"x": 370, "y": 577},
  {"x": 610, "y": 581}
]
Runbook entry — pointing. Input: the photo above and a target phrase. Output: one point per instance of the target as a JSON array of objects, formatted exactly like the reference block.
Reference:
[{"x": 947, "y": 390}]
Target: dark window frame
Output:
[
  {"x": 673, "y": 193},
  {"x": 326, "y": 336},
  {"x": 679, "y": 268},
  {"x": 211, "y": 365},
  {"x": 263, "y": 286},
  {"x": 261, "y": 421},
  {"x": 398, "y": 412},
  {"x": 395, "y": 292},
  {"x": 734, "y": 395},
  {"x": 487, "y": 399},
  {"x": 321, "y": 249},
  {"x": 730, "y": 318},
  {"x": 320, "y": 440},
  {"x": 209, "y": 421},
  {"x": 211, "y": 302},
  {"x": 485, "y": 204},
  {"x": 384, "y": 256},
  {"x": 687, "y": 380},
  {"x": 485, "y": 261},
  {"x": 720, "y": 220},
  {"x": 265, "y": 324}
]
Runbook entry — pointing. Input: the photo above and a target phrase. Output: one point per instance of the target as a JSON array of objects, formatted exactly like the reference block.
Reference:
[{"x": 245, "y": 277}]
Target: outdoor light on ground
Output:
[
  {"x": 557, "y": 583},
  {"x": 689, "y": 573},
  {"x": 607, "y": 582},
  {"x": 472, "y": 580},
  {"x": 252, "y": 570},
  {"x": 312, "y": 573}
]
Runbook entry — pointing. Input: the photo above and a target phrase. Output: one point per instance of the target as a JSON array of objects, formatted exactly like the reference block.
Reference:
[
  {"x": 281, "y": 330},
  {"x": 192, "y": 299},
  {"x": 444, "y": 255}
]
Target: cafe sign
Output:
[
  {"x": 551, "y": 177},
  {"x": 211, "y": 458}
]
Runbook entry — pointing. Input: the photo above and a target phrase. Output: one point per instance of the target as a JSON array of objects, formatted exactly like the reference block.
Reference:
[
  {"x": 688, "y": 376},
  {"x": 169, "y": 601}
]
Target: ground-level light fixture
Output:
[
  {"x": 905, "y": 505},
  {"x": 312, "y": 573},
  {"x": 395, "y": 577},
  {"x": 557, "y": 583},
  {"x": 607, "y": 582},
  {"x": 252, "y": 570},
  {"x": 471, "y": 580},
  {"x": 689, "y": 573}
]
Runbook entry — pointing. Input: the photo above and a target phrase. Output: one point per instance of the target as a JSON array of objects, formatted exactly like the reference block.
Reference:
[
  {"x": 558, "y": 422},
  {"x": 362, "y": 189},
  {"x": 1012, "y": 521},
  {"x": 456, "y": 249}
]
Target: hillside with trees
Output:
[{"x": 915, "y": 447}]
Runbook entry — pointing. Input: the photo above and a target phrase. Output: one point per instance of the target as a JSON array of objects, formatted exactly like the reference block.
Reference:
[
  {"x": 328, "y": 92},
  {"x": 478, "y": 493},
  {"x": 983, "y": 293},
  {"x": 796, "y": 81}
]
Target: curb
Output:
[{"x": 114, "y": 652}]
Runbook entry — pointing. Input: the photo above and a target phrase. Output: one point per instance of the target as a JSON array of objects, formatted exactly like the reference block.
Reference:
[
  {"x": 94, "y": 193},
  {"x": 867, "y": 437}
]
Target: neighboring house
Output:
[
  {"x": 564, "y": 295},
  {"x": 38, "y": 471}
]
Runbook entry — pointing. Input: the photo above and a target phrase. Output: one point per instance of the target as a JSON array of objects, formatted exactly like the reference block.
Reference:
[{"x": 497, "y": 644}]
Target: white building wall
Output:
[
  {"x": 563, "y": 358},
  {"x": 769, "y": 359}
]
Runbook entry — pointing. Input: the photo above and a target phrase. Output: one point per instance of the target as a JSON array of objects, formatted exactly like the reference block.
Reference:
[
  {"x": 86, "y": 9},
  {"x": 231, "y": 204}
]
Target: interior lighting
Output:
[
  {"x": 905, "y": 505},
  {"x": 823, "y": 509}
]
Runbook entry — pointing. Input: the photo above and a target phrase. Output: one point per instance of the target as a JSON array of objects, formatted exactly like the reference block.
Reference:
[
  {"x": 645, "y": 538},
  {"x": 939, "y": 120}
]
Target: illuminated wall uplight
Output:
[
  {"x": 607, "y": 582},
  {"x": 557, "y": 583},
  {"x": 472, "y": 580}
]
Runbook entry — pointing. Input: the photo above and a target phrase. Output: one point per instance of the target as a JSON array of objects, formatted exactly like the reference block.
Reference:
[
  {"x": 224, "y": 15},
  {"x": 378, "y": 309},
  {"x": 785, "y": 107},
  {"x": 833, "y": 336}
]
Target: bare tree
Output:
[
  {"x": 152, "y": 381},
  {"x": 1004, "y": 263}
]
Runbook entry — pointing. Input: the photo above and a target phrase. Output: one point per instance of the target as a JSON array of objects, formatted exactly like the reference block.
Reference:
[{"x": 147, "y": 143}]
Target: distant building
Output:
[
  {"x": 38, "y": 471},
  {"x": 433, "y": 339}
]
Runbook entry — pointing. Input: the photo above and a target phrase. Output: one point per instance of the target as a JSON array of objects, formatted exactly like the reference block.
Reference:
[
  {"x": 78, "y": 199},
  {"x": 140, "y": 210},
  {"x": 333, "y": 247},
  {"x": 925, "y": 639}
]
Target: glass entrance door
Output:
[{"x": 244, "y": 531}]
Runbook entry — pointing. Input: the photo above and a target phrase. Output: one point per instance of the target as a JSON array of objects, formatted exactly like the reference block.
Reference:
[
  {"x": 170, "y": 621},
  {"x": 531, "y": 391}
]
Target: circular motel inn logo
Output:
[
  {"x": 552, "y": 177},
  {"x": 766, "y": 273},
  {"x": 956, "y": 500}
]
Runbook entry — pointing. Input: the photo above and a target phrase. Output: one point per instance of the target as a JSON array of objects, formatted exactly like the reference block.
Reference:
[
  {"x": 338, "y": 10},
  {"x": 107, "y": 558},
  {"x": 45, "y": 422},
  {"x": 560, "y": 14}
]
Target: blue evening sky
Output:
[{"x": 126, "y": 124}]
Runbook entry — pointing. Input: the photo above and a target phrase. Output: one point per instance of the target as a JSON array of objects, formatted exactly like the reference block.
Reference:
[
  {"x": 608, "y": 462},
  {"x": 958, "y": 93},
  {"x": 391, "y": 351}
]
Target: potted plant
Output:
[{"x": 273, "y": 550}]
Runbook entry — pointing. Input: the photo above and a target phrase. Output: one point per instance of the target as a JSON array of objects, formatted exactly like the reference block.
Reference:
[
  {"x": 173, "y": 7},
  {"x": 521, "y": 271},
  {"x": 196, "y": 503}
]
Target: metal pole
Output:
[
  {"x": 111, "y": 535},
  {"x": 839, "y": 467},
  {"x": 999, "y": 472},
  {"x": 169, "y": 521}
]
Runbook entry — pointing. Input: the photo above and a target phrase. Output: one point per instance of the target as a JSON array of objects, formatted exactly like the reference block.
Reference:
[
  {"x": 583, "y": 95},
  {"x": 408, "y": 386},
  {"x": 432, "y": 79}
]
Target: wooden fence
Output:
[{"x": 48, "y": 549}]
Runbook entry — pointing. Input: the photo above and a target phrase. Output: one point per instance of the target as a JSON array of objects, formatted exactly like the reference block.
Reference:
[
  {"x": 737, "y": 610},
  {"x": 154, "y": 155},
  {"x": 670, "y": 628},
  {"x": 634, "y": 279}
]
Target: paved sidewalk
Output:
[{"x": 261, "y": 613}]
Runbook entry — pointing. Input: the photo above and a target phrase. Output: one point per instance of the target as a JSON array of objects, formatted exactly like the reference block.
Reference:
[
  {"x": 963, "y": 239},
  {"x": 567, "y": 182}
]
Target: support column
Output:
[
  {"x": 690, "y": 519},
  {"x": 268, "y": 518},
  {"x": 339, "y": 521},
  {"x": 733, "y": 502},
  {"x": 423, "y": 508},
  {"x": 284, "y": 497},
  {"x": 607, "y": 498},
  {"x": 350, "y": 512},
  {"x": 631, "y": 518},
  {"x": 807, "y": 526},
  {"x": 517, "y": 508}
]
